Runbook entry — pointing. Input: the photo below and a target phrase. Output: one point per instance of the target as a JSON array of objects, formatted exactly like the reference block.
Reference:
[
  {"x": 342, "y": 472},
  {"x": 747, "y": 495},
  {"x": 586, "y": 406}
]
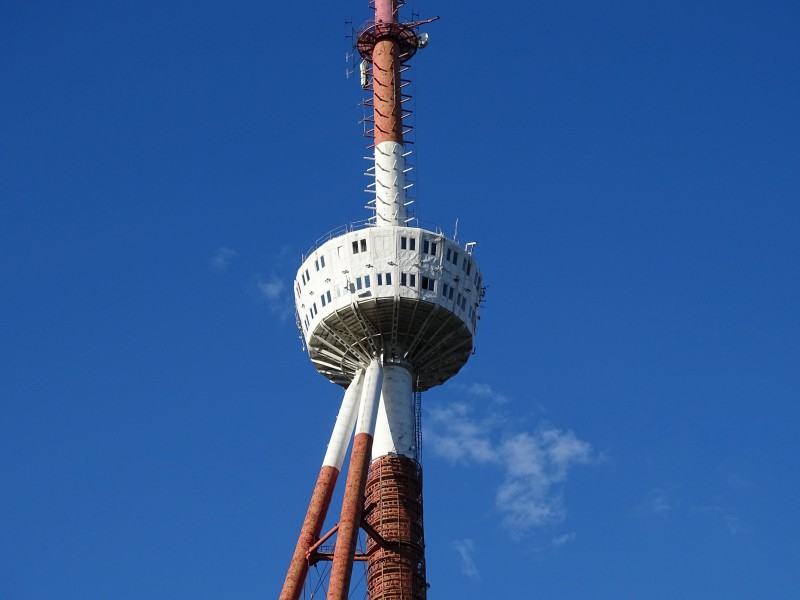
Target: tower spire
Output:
[{"x": 386, "y": 44}]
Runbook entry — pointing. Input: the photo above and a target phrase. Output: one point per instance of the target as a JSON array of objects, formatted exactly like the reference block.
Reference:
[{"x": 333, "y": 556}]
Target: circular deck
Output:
[{"x": 434, "y": 340}]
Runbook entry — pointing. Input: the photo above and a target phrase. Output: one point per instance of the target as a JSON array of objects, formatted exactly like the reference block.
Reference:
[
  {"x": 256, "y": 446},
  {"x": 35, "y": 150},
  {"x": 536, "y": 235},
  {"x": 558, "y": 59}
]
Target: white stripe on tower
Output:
[
  {"x": 345, "y": 421},
  {"x": 387, "y": 99},
  {"x": 395, "y": 431},
  {"x": 323, "y": 490},
  {"x": 353, "y": 502},
  {"x": 390, "y": 193}
]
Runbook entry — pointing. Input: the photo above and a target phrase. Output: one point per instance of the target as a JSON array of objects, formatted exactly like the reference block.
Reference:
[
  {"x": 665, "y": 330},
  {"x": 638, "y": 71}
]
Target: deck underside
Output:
[{"x": 432, "y": 339}]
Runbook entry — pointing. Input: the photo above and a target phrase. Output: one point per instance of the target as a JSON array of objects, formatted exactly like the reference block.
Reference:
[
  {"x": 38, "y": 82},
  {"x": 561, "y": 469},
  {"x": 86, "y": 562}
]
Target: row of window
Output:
[
  {"x": 406, "y": 243},
  {"x": 410, "y": 243},
  {"x": 452, "y": 256},
  {"x": 447, "y": 291},
  {"x": 325, "y": 298},
  {"x": 406, "y": 279}
]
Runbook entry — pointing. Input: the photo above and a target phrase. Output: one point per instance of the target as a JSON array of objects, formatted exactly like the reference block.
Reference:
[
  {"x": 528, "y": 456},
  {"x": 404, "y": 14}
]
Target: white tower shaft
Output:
[{"x": 390, "y": 192}]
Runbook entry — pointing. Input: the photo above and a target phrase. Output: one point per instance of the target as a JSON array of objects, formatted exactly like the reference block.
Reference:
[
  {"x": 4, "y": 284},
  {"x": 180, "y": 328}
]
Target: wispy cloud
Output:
[
  {"x": 534, "y": 464},
  {"x": 273, "y": 292},
  {"x": 222, "y": 258},
  {"x": 564, "y": 538},
  {"x": 656, "y": 504},
  {"x": 466, "y": 552},
  {"x": 486, "y": 392},
  {"x": 732, "y": 523},
  {"x": 461, "y": 437}
]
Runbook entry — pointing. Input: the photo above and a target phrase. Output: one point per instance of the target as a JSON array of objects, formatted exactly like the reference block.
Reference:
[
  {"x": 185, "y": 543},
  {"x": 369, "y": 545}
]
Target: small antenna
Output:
[
  {"x": 455, "y": 235},
  {"x": 349, "y": 55}
]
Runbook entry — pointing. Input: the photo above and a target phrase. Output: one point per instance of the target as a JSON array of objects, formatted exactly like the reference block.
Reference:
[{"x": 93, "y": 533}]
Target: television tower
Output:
[{"x": 387, "y": 310}]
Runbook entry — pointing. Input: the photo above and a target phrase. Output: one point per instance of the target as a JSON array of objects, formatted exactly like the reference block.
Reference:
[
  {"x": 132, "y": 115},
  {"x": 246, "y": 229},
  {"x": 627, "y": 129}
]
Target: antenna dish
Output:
[{"x": 423, "y": 39}]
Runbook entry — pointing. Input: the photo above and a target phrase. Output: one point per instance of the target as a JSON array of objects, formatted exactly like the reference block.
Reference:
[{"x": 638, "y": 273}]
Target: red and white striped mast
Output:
[{"x": 386, "y": 44}]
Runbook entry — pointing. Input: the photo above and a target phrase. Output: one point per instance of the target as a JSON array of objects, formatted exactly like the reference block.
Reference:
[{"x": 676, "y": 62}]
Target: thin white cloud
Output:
[
  {"x": 657, "y": 504},
  {"x": 732, "y": 523},
  {"x": 564, "y": 538},
  {"x": 464, "y": 438},
  {"x": 466, "y": 552},
  {"x": 487, "y": 392},
  {"x": 273, "y": 292},
  {"x": 222, "y": 258},
  {"x": 534, "y": 465}
]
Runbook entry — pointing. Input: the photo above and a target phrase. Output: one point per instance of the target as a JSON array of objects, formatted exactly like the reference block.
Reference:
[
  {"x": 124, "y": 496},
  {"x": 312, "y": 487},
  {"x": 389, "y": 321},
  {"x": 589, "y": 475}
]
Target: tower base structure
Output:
[
  {"x": 396, "y": 563},
  {"x": 383, "y": 492}
]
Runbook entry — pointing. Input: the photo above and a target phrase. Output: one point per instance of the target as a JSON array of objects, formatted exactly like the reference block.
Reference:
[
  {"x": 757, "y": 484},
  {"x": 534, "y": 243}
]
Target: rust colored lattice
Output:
[{"x": 396, "y": 567}]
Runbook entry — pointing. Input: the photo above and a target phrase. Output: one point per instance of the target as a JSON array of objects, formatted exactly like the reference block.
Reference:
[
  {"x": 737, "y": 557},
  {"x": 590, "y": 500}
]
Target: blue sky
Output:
[{"x": 628, "y": 425}]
